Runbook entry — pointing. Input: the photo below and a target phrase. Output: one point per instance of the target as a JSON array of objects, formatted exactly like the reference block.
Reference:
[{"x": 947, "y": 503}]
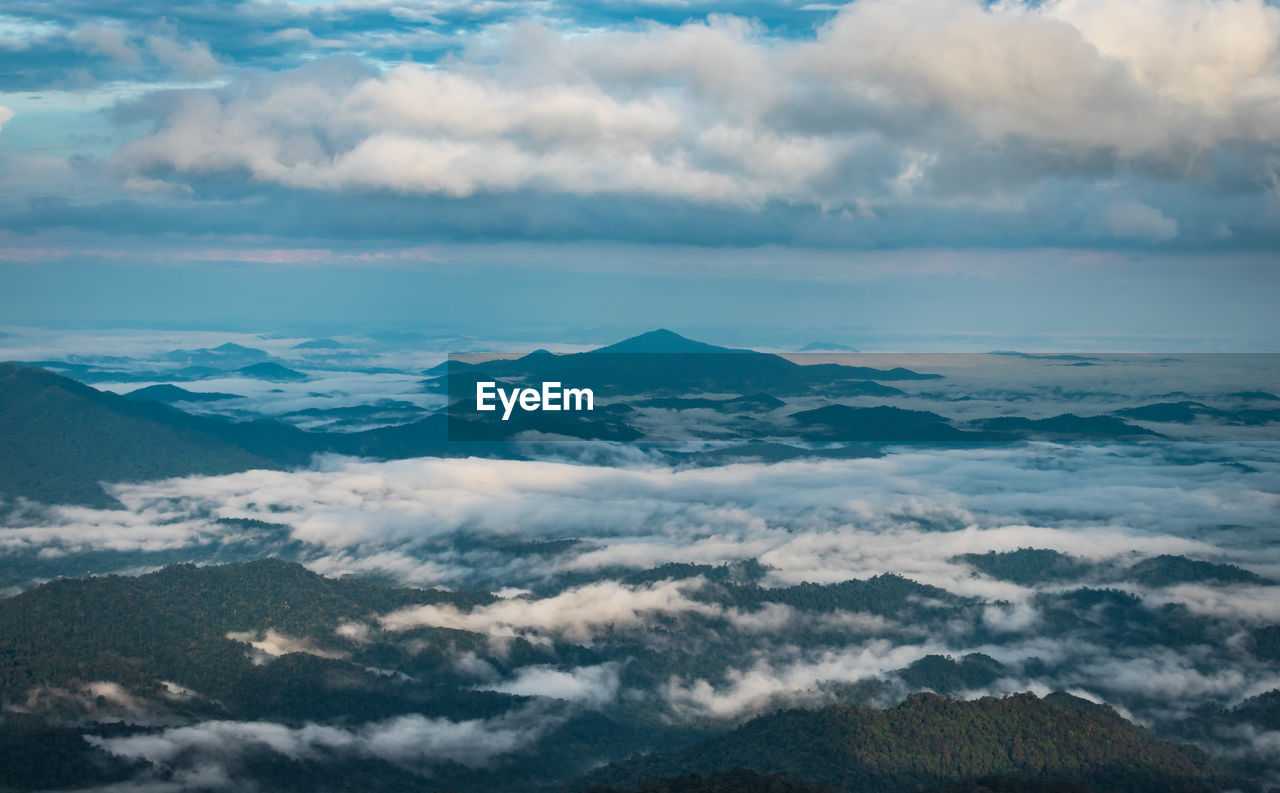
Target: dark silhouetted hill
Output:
[
  {"x": 63, "y": 438},
  {"x": 270, "y": 371},
  {"x": 318, "y": 344},
  {"x": 169, "y": 394}
]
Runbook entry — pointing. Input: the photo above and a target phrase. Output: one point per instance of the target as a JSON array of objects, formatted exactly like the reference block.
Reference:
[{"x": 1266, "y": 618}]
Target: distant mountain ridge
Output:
[
  {"x": 63, "y": 438},
  {"x": 664, "y": 363},
  {"x": 169, "y": 394},
  {"x": 664, "y": 342}
]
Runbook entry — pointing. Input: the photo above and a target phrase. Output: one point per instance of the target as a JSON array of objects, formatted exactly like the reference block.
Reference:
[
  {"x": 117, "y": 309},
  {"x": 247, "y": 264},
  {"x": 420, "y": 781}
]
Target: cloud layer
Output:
[
  {"x": 893, "y": 103},
  {"x": 886, "y": 122}
]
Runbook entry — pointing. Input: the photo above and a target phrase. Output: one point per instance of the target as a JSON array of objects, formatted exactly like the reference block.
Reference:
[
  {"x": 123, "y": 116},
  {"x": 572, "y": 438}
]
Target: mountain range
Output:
[
  {"x": 930, "y": 741},
  {"x": 242, "y": 647},
  {"x": 65, "y": 438}
]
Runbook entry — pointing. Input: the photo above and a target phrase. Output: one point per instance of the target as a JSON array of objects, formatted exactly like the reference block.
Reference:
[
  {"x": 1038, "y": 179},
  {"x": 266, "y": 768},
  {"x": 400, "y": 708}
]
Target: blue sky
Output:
[{"x": 1070, "y": 169}]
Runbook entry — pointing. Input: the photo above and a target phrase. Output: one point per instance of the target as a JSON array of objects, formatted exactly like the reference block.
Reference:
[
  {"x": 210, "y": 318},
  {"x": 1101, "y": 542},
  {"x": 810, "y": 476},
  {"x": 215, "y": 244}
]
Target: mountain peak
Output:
[
  {"x": 662, "y": 341},
  {"x": 236, "y": 348}
]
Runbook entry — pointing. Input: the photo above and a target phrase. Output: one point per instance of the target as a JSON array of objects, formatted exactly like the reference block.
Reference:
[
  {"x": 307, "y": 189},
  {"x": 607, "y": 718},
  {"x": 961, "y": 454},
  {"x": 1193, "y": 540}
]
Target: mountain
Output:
[
  {"x": 1262, "y": 710},
  {"x": 87, "y": 373},
  {"x": 739, "y": 780},
  {"x": 1167, "y": 570},
  {"x": 661, "y": 341},
  {"x": 270, "y": 648},
  {"x": 224, "y": 356},
  {"x": 1028, "y": 566},
  {"x": 173, "y": 625},
  {"x": 169, "y": 394},
  {"x": 945, "y": 675},
  {"x": 1266, "y": 643},
  {"x": 318, "y": 344},
  {"x": 1044, "y": 356},
  {"x": 1185, "y": 412},
  {"x": 1068, "y": 426},
  {"x": 382, "y": 412},
  {"x": 63, "y": 438},
  {"x": 662, "y": 363},
  {"x": 883, "y": 424},
  {"x": 742, "y": 780},
  {"x": 1182, "y": 412},
  {"x": 1261, "y": 396},
  {"x": 935, "y": 741},
  {"x": 270, "y": 371},
  {"x": 752, "y": 403},
  {"x": 826, "y": 346},
  {"x": 260, "y": 646}
]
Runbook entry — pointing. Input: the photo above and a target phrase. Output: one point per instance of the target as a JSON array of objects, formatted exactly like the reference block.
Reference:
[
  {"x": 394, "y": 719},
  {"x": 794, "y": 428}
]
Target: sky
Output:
[{"x": 1067, "y": 173}]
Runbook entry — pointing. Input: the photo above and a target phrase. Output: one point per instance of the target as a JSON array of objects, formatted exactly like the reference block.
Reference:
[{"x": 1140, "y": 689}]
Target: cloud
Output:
[
  {"x": 885, "y": 123},
  {"x": 112, "y": 42},
  {"x": 593, "y": 686},
  {"x": 5, "y": 115},
  {"x": 752, "y": 689},
  {"x": 822, "y": 521},
  {"x": 271, "y": 644},
  {"x": 1135, "y": 219},
  {"x": 1165, "y": 675},
  {"x": 412, "y": 740},
  {"x": 1017, "y": 618},
  {"x": 894, "y": 102},
  {"x": 1255, "y": 604},
  {"x": 576, "y": 614},
  {"x": 190, "y": 60}
]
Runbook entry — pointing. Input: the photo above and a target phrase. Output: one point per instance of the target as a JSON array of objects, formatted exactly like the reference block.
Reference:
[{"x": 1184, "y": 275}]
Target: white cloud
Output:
[
  {"x": 888, "y": 103},
  {"x": 752, "y": 689},
  {"x": 190, "y": 60},
  {"x": 593, "y": 686},
  {"x": 5, "y": 115},
  {"x": 821, "y": 521},
  {"x": 412, "y": 740},
  {"x": 575, "y": 614},
  {"x": 1135, "y": 219},
  {"x": 1256, "y": 604},
  {"x": 109, "y": 41},
  {"x": 272, "y": 644},
  {"x": 1167, "y": 676}
]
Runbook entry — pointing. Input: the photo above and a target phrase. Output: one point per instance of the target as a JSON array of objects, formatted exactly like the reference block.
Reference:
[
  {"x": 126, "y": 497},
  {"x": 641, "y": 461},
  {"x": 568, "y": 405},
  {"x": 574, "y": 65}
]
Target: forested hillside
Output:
[{"x": 933, "y": 741}]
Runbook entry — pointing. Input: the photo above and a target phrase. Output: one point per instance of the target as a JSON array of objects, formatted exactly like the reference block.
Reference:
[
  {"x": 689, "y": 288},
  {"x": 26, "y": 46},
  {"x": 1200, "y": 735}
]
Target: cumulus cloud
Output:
[
  {"x": 5, "y": 115},
  {"x": 922, "y": 101}
]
